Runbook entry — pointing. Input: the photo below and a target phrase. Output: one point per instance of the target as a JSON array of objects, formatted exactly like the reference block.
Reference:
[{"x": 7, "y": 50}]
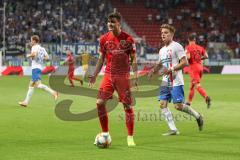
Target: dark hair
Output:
[
  {"x": 168, "y": 26},
  {"x": 192, "y": 37},
  {"x": 35, "y": 38},
  {"x": 116, "y": 15}
]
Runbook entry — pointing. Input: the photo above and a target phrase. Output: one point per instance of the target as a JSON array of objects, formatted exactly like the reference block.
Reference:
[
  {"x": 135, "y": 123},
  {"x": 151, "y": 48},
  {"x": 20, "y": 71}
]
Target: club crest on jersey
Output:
[{"x": 123, "y": 42}]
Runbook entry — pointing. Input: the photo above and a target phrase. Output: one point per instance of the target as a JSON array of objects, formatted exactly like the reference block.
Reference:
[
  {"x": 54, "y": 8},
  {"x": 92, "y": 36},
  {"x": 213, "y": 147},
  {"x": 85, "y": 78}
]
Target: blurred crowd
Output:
[
  {"x": 83, "y": 21},
  {"x": 211, "y": 20}
]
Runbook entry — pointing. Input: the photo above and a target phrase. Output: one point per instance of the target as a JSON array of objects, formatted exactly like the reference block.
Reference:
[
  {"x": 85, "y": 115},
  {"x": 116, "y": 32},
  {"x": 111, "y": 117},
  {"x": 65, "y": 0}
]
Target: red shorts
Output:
[
  {"x": 70, "y": 73},
  {"x": 195, "y": 73},
  {"x": 119, "y": 83}
]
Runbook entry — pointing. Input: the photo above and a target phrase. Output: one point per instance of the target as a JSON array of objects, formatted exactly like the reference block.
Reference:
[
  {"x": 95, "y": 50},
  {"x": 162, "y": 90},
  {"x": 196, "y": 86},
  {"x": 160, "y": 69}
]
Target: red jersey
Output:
[
  {"x": 117, "y": 50},
  {"x": 196, "y": 53},
  {"x": 70, "y": 61}
]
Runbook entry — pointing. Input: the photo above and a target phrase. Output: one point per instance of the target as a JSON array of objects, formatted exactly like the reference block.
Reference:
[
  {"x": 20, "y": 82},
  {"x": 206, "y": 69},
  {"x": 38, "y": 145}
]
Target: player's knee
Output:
[
  {"x": 100, "y": 102},
  {"x": 192, "y": 86},
  {"x": 178, "y": 106},
  {"x": 127, "y": 106},
  {"x": 198, "y": 85},
  {"x": 163, "y": 104},
  {"x": 36, "y": 84}
]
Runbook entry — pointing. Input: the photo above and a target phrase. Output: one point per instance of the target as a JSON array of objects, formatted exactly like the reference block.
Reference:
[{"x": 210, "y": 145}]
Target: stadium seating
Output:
[
  {"x": 85, "y": 22},
  {"x": 82, "y": 21},
  {"x": 136, "y": 15}
]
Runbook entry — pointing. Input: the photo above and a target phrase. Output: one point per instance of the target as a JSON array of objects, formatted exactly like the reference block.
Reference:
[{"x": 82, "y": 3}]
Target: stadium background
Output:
[
  {"x": 77, "y": 25},
  {"x": 37, "y": 133}
]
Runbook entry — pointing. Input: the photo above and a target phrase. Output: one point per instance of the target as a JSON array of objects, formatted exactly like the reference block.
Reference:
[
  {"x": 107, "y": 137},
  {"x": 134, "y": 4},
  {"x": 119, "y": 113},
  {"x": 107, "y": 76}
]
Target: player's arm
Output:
[
  {"x": 46, "y": 56},
  {"x": 32, "y": 55},
  {"x": 72, "y": 62},
  {"x": 134, "y": 67},
  {"x": 183, "y": 62},
  {"x": 99, "y": 65},
  {"x": 155, "y": 69},
  {"x": 65, "y": 62},
  {"x": 188, "y": 54},
  {"x": 97, "y": 70},
  {"x": 205, "y": 55}
]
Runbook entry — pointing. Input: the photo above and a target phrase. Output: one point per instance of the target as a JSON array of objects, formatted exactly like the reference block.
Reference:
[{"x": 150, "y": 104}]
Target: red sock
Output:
[
  {"x": 202, "y": 91},
  {"x": 77, "y": 79},
  {"x": 70, "y": 77},
  {"x": 191, "y": 93},
  {"x": 129, "y": 117},
  {"x": 71, "y": 81},
  {"x": 103, "y": 117}
]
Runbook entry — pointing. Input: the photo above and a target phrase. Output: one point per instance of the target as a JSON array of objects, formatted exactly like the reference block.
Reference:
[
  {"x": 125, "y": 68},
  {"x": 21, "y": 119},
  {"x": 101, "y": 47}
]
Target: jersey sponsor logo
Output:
[
  {"x": 167, "y": 58},
  {"x": 197, "y": 55},
  {"x": 112, "y": 47}
]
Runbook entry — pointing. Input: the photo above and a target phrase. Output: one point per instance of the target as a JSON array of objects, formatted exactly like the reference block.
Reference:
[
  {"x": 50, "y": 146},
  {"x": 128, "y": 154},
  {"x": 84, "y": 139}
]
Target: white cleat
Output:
[
  {"x": 171, "y": 133},
  {"x": 24, "y": 104},
  {"x": 56, "y": 96},
  {"x": 130, "y": 141}
]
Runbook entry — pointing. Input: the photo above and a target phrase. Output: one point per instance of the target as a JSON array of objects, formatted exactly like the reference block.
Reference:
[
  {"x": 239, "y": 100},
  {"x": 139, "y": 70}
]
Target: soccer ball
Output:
[{"x": 103, "y": 140}]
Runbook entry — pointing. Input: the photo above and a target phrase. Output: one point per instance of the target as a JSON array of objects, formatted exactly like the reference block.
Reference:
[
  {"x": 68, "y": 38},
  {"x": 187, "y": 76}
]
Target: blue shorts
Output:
[
  {"x": 36, "y": 74},
  {"x": 175, "y": 93}
]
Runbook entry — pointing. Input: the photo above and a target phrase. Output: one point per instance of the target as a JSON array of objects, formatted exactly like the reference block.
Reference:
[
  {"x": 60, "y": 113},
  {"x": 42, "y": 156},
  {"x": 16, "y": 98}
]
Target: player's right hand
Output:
[
  {"x": 150, "y": 74},
  {"x": 92, "y": 80},
  {"x": 166, "y": 71}
]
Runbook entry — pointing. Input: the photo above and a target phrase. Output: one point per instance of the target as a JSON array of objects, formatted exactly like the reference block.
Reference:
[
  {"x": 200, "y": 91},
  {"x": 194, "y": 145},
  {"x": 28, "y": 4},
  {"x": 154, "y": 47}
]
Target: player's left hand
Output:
[
  {"x": 150, "y": 74},
  {"x": 135, "y": 83},
  {"x": 92, "y": 80},
  {"x": 167, "y": 71}
]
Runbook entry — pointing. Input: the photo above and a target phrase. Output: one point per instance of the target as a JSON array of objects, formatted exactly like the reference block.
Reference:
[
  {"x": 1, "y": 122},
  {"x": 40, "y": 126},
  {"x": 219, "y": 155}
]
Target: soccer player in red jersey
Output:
[
  {"x": 70, "y": 62},
  {"x": 117, "y": 49},
  {"x": 195, "y": 54}
]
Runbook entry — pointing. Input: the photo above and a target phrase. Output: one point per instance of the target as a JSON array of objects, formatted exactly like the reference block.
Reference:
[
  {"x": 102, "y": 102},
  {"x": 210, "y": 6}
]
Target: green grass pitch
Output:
[{"x": 36, "y": 133}]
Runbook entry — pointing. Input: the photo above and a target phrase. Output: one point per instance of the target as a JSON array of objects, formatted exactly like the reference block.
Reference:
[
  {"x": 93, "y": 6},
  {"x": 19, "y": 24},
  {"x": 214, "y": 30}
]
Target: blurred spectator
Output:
[
  {"x": 158, "y": 17},
  {"x": 82, "y": 20},
  {"x": 219, "y": 55},
  {"x": 170, "y": 20},
  {"x": 238, "y": 37},
  {"x": 147, "y": 4},
  {"x": 129, "y": 2},
  {"x": 237, "y": 51},
  {"x": 200, "y": 4},
  {"x": 149, "y": 18}
]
